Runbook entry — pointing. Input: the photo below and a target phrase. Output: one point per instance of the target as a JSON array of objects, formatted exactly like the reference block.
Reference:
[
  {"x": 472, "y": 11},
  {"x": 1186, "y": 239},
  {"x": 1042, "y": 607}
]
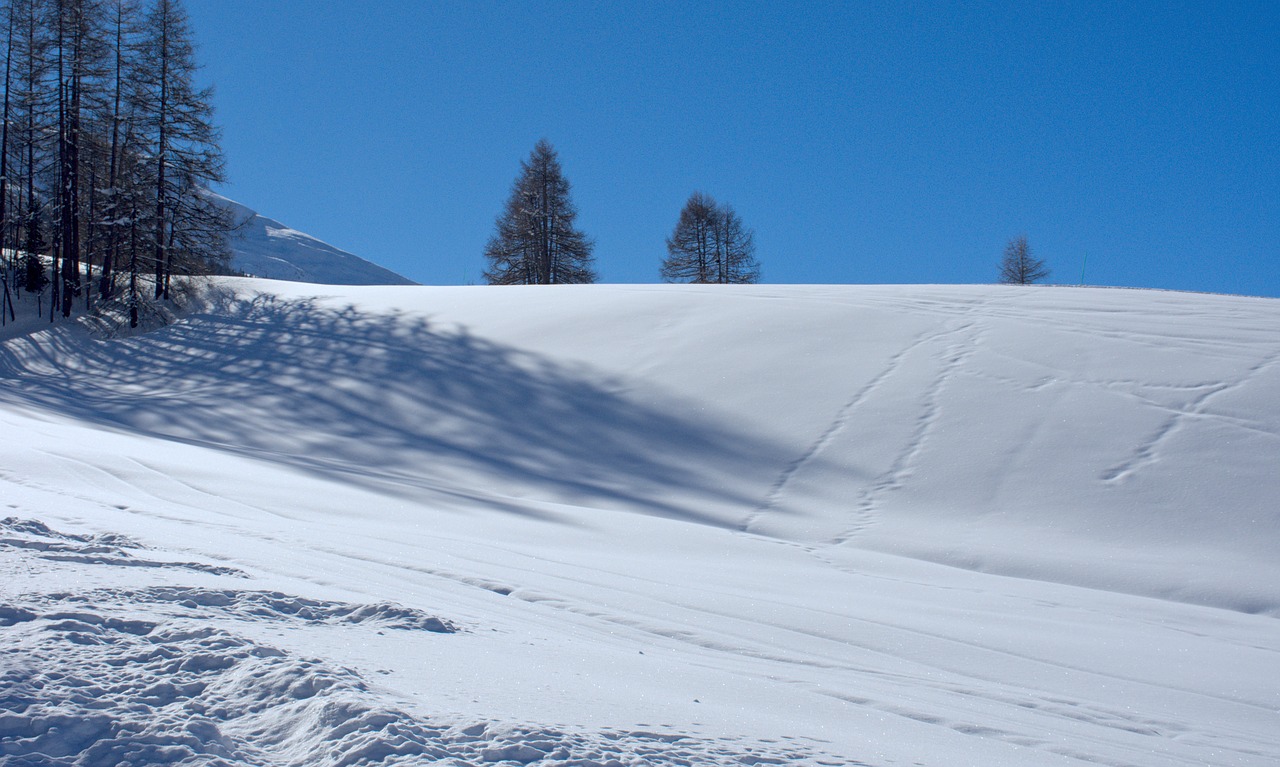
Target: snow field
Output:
[{"x": 649, "y": 524}]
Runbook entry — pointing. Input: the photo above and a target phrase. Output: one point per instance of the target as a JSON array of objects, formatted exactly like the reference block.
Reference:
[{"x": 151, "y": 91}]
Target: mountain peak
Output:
[{"x": 264, "y": 247}]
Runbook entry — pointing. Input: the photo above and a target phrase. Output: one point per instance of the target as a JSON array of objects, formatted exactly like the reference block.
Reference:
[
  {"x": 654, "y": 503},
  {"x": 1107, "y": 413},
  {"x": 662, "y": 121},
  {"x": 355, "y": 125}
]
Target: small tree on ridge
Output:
[
  {"x": 535, "y": 241},
  {"x": 710, "y": 244},
  {"x": 1019, "y": 266}
]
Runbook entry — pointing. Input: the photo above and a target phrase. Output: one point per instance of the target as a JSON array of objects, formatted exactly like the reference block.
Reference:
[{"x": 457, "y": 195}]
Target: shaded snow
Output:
[
  {"x": 264, "y": 247},
  {"x": 624, "y": 525}
]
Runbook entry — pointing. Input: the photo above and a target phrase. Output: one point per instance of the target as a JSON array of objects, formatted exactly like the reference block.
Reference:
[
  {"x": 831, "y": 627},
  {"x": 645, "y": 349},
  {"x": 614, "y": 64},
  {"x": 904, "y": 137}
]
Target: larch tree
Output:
[
  {"x": 1019, "y": 266},
  {"x": 107, "y": 151},
  {"x": 188, "y": 229},
  {"x": 535, "y": 240},
  {"x": 118, "y": 206},
  {"x": 29, "y": 121},
  {"x": 710, "y": 244},
  {"x": 690, "y": 248},
  {"x": 735, "y": 249},
  {"x": 6, "y": 266},
  {"x": 80, "y": 55}
]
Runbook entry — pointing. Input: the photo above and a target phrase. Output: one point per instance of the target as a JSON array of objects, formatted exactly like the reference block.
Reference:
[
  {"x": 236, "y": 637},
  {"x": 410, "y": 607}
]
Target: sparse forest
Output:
[{"x": 107, "y": 148}]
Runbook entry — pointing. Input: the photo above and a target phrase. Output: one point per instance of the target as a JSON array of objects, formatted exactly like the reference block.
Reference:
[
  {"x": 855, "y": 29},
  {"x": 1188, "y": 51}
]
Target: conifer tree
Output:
[
  {"x": 691, "y": 247},
  {"x": 1019, "y": 266},
  {"x": 710, "y": 244},
  {"x": 111, "y": 213},
  {"x": 107, "y": 149},
  {"x": 29, "y": 158},
  {"x": 535, "y": 241},
  {"x": 79, "y": 49},
  {"x": 6, "y": 268},
  {"x": 735, "y": 249},
  {"x": 187, "y": 228}
]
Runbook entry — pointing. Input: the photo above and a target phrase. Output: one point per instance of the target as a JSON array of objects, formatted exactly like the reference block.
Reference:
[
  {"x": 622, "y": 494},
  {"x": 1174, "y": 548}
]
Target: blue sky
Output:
[{"x": 864, "y": 142}]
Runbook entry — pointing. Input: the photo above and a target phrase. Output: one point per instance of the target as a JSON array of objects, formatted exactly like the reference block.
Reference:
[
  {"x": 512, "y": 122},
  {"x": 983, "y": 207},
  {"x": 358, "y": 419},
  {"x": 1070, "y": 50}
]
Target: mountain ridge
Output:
[{"x": 264, "y": 247}]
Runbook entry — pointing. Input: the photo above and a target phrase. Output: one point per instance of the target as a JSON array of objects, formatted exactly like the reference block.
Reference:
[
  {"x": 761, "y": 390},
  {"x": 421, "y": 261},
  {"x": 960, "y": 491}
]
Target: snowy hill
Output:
[
  {"x": 646, "y": 525},
  {"x": 263, "y": 247}
]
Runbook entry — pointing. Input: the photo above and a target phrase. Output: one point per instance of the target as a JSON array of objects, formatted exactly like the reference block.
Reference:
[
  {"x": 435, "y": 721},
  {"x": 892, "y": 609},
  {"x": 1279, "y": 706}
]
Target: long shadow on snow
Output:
[{"x": 388, "y": 401}]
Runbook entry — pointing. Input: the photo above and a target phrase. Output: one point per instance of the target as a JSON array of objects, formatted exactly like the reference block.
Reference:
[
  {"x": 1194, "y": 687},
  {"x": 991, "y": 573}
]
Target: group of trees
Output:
[
  {"x": 107, "y": 149},
  {"x": 536, "y": 242},
  {"x": 710, "y": 244}
]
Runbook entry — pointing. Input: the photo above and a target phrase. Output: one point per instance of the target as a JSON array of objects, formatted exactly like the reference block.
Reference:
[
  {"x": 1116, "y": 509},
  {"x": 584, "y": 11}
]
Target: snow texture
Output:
[
  {"x": 263, "y": 247},
  {"x": 614, "y": 526}
]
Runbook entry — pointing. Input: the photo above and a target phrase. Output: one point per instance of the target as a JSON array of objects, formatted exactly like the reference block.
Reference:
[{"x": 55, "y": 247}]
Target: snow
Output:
[
  {"x": 645, "y": 525},
  {"x": 264, "y": 247}
]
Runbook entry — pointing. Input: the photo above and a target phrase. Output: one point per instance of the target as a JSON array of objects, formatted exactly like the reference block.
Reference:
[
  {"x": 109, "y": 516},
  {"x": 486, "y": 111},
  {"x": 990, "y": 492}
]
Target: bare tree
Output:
[
  {"x": 710, "y": 244},
  {"x": 112, "y": 216},
  {"x": 735, "y": 249},
  {"x": 1019, "y": 266},
  {"x": 81, "y": 55},
  {"x": 6, "y": 300},
  {"x": 188, "y": 230},
  {"x": 535, "y": 241},
  {"x": 691, "y": 251},
  {"x": 29, "y": 113}
]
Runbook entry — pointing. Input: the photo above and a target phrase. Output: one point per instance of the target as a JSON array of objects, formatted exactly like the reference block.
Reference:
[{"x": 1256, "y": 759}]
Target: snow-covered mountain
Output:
[
  {"x": 264, "y": 247},
  {"x": 608, "y": 526}
]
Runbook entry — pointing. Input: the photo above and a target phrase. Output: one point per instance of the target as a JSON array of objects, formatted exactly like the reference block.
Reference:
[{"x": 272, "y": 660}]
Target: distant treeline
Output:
[{"x": 106, "y": 149}]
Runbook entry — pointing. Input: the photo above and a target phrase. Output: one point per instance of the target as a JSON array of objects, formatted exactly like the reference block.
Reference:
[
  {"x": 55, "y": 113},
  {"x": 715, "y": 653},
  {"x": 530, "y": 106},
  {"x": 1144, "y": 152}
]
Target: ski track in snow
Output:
[
  {"x": 1148, "y": 452},
  {"x": 864, "y": 506},
  {"x": 870, "y": 497},
  {"x": 159, "y": 675},
  {"x": 98, "y": 550},
  {"x": 162, "y": 660},
  {"x": 1042, "y": 712},
  {"x": 837, "y": 425}
]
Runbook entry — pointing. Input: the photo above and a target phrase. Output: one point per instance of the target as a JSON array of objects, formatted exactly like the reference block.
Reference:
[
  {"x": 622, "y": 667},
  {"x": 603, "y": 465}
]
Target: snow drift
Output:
[{"x": 663, "y": 525}]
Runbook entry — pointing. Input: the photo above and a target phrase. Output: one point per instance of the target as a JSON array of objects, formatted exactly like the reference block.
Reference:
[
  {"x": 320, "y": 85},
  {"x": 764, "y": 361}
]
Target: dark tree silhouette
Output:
[
  {"x": 710, "y": 244},
  {"x": 1019, "y": 266},
  {"x": 690, "y": 248},
  {"x": 106, "y": 151},
  {"x": 535, "y": 241},
  {"x": 188, "y": 229}
]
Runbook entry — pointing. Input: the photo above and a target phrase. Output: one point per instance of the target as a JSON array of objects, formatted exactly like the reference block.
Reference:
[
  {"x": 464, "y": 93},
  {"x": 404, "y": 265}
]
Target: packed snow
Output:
[{"x": 608, "y": 526}]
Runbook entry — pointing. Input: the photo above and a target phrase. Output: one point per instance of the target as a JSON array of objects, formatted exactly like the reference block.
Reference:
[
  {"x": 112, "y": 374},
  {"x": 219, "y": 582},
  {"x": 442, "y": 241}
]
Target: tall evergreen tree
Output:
[
  {"x": 735, "y": 247},
  {"x": 79, "y": 46},
  {"x": 691, "y": 251},
  {"x": 710, "y": 244},
  {"x": 114, "y": 212},
  {"x": 1019, "y": 266},
  {"x": 29, "y": 116},
  {"x": 6, "y": 267},
  {"x": 188, "y": 229},
  {"x": 107, "y": 148},
  {"x": 536, "y": 241}
]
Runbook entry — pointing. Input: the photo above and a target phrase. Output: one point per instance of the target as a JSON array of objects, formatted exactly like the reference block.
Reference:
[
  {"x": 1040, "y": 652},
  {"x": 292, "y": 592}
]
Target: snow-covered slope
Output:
[
  {"x": 647, "y": 525},
  {"x": 263, "y": 247}
]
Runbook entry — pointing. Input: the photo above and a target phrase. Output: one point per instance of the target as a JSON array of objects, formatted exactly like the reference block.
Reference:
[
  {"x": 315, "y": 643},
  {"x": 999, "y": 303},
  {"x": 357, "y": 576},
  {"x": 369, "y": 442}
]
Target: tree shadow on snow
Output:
[{"x": 391, "y": 402}]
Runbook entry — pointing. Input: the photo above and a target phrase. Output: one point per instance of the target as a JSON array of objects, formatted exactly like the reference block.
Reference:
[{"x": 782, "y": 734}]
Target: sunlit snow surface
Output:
[
  {"x": 264, "y": 247},
  {"x": 646, "y": 525}
]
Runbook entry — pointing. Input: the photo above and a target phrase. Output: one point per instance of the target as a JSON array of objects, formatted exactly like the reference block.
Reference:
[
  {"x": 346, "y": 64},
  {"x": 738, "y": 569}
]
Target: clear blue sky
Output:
[{"x": 864, "y": 142}]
